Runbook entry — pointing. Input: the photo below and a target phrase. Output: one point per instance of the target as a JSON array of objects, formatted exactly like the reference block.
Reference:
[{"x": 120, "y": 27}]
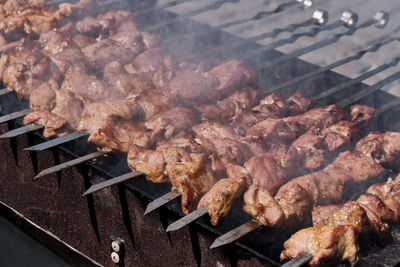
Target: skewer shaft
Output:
[
  {"x": 299, "y": 260},
  {"x": 236, "y": 233},
  {"x": 110, "y": 182},
  {"x": 5, "y": 91},
  {"x": 22, "y": 130},
  {"x": 182, "y": 222},
  {"x": 15, "y": 115},
  {"x": 57, "y": 141},
  {"x": 155, "y": 204},
  {"x": 69, "y": 164}
]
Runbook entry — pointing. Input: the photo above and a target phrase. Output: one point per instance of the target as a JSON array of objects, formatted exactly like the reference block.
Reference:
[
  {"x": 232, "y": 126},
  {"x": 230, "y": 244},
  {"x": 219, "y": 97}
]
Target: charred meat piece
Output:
[
  {"x": 349, "y": 213},
  {"x": 233, "y": 75},
  {"x": 374, "y": 203},
  {"x": 54, "y": 125},
  {"x": 44, "y": 97},
  {"x": 339, "y": 134},
  {"x": 271, "y": 130},
  {"x": 230, "y": 106},
  {"x": 361, "y": 114},
  {"x": 83, "y": 40},
  {"x": 384, "y": 148},
  {"x": 298, "y": 103},
  {"x": 245, "y": 119},
  {"x": 260, "y": 204},
  {"x": 68, "y": 107},
  {"x": 272, "y": 105},
  {"x": 328, "y": 245},
  {"x": 222, "y": 196}
]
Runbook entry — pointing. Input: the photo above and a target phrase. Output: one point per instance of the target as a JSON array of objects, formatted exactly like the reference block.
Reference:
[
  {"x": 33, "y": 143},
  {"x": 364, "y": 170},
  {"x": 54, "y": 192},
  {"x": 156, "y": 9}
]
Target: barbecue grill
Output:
[{"x": 286, "y": 42}]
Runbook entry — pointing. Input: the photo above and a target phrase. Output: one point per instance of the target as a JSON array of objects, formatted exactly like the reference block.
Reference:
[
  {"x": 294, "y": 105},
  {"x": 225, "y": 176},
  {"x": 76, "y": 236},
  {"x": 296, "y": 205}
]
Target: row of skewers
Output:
[{"x": 202, "y": 127}]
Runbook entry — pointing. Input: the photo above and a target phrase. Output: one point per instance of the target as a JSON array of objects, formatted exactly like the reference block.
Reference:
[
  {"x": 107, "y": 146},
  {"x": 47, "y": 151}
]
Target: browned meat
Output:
[
  {"x": 159, "y": 66},
  {"x": 105, "y": 51},
  {"x": 271, "y": 130},
  {"x": 328, "y": 244},
  {"x": 272, "y": 105},
  {"x": 349, "y": 213},
  {"x": 230, "y": 106},
  {"x": 83, "y": 40},
  {"x": 54, "y": 124},
  {"x": 194, "y": 88},
  {"x": 374, "y": 203},
  {"x": 297, "y": 103},
  {"x": 244, "y": 119},
  {"x": 339, "y": 134},
  {"x": 307, "y": 151},
  {"x": 233, "y": 75},
  {"x": 222, "y": 196},
  {"x": 389, "y": 193},
  {"x": 260, "y": 204},
  {"x": 68, "y": 107},
  {"x": 190, "y": 173},
  {"x": 361, "y": 114},
  {"x": 88, "y": 88},
  {"x": 44, "y": 97},
  {"x": 89, "y": 26},
  {"x": 126, "y": 83},
  {"x": 172, "y": 121},
  {"x": 80, "y": 9},
  {"x": 266, "y": 172},
  {"x": 382, "y": 147},
  {"x": 150, "y": 162}
]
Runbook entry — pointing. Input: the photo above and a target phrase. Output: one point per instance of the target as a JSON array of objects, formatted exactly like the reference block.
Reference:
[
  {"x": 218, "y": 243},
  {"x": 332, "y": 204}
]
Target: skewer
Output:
[
  {"x": 187, "y": 219},
  {"x": 164, "y": 199},
  {"x": 70, "y": 163},
  {"x": 319, "y": 18},
  {"x": 379, "y": 21},
  {"x": 264, "y": 14},
  {"x": 251, "y": 225},
  {"x": 299, "y": 260},
  {"x": 5, "y": 91},
  {"x": 57, "y": 141},
  {"x": 23, "y": 130},
  {"x": 212, "y": 6},
  {"x": 110, "y": 182},
  {"x": 15, "y": 115}
]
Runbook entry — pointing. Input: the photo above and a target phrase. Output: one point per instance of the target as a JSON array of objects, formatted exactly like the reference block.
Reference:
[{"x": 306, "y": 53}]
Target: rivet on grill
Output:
[
  {"x": 305, "y": 3},
  {"x": 320, "y": 17},
  {"x": 349, "y": 18},
  {"x": 381, "y": 18}
]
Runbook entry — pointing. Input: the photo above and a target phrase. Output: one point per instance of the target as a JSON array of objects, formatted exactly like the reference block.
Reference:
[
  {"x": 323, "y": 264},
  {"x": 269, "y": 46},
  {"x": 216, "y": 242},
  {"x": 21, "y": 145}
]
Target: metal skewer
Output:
[
  {"x": 299, "y": 260},
  {"x": 164, "y": 199},
  {"x": 57, "y": 141},
  {"x": 348, "y": 17},
  {"x": 5, "y": 91},
  {"x": 15, "y": 115},
  {"x": 182, "y": 222},
  {"x": 110, "y": 182},
  {"x": 69, "y": 164},
  {"x": 23, "y": 130},
  {"x": 252, "y": 225}
]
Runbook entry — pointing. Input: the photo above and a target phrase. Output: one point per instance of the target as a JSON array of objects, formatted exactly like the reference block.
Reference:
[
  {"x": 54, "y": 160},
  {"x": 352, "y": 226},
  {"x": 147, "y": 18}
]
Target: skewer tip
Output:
[
  {"x": 215, "y": 244},
  {"x": 148, "y": 210}
]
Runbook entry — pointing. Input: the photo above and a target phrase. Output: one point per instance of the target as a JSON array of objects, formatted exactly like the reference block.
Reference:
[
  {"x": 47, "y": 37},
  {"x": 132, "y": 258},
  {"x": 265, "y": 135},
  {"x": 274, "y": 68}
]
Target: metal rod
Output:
[
  {"x": 5, "y": 91},
  {"x": 57, "y": 141},
  {"x": 299, "y": 260},
  {"x": 161, "y": 7},
  {"x": 23, "y": 130},
  {"x": 164, "y": 199},
  {"x": 236, "y": 233},
  {"x": 15, "y": 115},
  {"x": 334, "y": 38},
  {"x": 358, "y": 55},
  {"x": 262, "y": 14},
  {"x": 212, "y": 6},
  {"x": 182, "y": 222},
  {"x": 356, "y": 80},
  {"x": 387, "y": 106},
  {"x": 69, "y": 164},
  {"x": 113, "y": 181}
]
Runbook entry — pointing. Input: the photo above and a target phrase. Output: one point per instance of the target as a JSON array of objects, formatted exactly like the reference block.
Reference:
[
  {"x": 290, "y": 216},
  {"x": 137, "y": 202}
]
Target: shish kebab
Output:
[
  {"x": 202, "y": 211},
  {"x": 336, "y": 228},
  {"x": 290, "y": 206}
]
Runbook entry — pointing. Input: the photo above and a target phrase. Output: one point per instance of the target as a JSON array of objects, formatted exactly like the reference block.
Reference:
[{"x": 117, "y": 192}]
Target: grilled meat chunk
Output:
[
  {"x": 382, "y": 147},
  {"x": 349, "y": 213},
  {"x": 44, "y": 97},
  {"x": 233, "y": 75},
  {"x": 68, "y": 107},
  {"x": 54, "y": 125},
  {"x": 374, "y": 203},
  {"x": 260, "y": 204},
  {"x": 361, "y": 114},
  {"x": 230, "y": 106},
  {"x": 298, "y": 103},
  {"x": 339, "y": 134},
  {"x": 272, "y": 105},
  {"x": 328, "y": 245},
  {"x": 244, "y": 119},
  {"x": 219, "y": 200}
]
